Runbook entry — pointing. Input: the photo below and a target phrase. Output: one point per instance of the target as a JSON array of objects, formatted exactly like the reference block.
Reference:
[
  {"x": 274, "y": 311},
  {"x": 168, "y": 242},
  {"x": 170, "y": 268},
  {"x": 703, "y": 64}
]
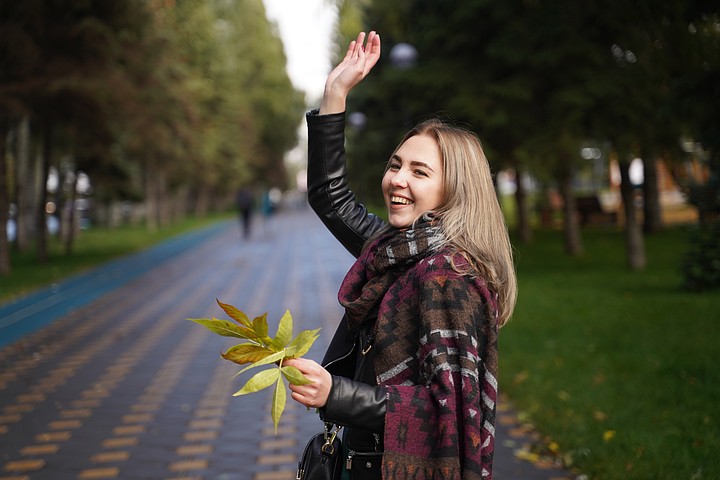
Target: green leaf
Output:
[
  {"x": 246, "y": 353},
  {"x": 261, "y": 380},
  {"x": 294, "y": 376},
  {"x": 278, "y": 402},
  {"x": 260, "y": 326},
  {"x": 275, "y": 357},
  {"x": 284, "y": 332},
  {"x": 234, "y": 313},
  {"x": 259, "y": 349},
  {"x": 225, "y": 328},
  {"x": 302, "y": 343}
]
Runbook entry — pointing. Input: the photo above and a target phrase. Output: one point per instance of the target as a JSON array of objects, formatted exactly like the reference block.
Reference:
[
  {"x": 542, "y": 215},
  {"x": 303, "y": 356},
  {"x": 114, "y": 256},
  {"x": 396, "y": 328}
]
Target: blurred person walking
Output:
[{"x": 245, "y": 202}]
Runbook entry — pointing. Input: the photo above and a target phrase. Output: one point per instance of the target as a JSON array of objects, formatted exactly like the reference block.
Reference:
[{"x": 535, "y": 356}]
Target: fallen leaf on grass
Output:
[{"x": 608, "y": 435}]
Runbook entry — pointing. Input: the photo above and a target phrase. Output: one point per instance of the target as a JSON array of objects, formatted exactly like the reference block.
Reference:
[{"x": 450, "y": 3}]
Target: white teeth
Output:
[{"x": 401, "y": 200}]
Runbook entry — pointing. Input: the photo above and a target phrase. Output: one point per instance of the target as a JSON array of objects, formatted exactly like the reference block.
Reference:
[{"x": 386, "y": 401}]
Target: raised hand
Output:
[{"x": 360, "y": 58}]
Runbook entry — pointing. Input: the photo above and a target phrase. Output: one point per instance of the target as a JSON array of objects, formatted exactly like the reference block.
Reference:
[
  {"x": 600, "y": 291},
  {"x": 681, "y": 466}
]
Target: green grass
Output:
[
  {"x": 619, "y": 368},
  {"x": 92, "y": 247}
]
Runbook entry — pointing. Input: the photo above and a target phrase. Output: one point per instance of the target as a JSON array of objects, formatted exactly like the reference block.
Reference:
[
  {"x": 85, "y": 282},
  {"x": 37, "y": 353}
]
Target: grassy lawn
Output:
[
  {"x": 92, "y": 247},
  {"x": 617, "y": 368}
]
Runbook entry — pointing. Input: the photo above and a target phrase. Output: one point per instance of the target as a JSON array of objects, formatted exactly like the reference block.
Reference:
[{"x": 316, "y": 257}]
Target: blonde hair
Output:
[{"x": 470, "y": 213}]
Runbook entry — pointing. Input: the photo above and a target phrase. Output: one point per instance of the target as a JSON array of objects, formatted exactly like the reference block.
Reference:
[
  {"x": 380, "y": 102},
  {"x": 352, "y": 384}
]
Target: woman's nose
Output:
[{"x": 399, "y": 179}]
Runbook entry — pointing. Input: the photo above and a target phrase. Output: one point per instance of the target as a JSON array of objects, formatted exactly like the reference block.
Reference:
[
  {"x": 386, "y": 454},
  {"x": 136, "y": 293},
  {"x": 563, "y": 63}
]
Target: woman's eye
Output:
[{"x": 421, "y": 173}]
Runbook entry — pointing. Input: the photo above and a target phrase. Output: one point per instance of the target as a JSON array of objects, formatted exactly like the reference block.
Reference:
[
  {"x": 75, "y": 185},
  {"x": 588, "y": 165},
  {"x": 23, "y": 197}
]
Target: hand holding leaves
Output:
[{"x": 258, "y": 349}]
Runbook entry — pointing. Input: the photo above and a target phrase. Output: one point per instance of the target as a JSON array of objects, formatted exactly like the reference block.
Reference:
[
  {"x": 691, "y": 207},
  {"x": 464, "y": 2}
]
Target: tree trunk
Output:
[
  {"x": 26, "y": 187},
  {"x": 71, "y": 220},
  {"x": 41, "y": 232},
  {"x": 202, "y": 201},
  {"x": 571, "y": 227},
  {"x": 4, "y": 201},
  {"x": 164, "y": 210},
  {"x": 523, "y": 212},
  {"x": 652, "y": 211},
  {"x": 180, "y": 204},
  {"x": 61, "y": 202},
  {"x": 151, "y": 200},
  {"x": 634, "y": 241}
]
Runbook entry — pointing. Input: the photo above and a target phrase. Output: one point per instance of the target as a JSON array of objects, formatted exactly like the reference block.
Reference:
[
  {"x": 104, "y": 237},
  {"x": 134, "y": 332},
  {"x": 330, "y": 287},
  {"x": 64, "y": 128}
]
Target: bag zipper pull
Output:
[{"x": 348, "y": 461}]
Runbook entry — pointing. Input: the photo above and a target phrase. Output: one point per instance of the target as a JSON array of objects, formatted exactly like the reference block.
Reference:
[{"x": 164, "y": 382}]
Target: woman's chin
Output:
[{"x": 400, "y": 222}]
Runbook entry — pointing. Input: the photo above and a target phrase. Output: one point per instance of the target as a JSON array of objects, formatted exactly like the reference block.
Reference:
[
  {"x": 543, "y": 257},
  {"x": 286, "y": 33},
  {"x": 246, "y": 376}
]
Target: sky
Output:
[{"x": 306, "y": 28}]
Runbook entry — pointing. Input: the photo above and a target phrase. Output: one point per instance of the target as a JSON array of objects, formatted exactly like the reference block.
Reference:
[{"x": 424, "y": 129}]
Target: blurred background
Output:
[{"x": 131, "y": 120}]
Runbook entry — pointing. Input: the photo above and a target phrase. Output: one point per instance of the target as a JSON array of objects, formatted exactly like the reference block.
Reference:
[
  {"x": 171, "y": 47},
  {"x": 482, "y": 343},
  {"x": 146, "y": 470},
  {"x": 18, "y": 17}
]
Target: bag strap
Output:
[{"x": 330, "y": 433}]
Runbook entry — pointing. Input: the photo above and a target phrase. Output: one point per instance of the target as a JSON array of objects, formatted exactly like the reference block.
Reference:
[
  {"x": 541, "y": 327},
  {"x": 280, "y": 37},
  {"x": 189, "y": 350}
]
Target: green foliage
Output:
[
  {"x": 150, "y": 99},
  {"x": 537, "y": 80},
  {"x": 701, "y": 265},
  {"x": 258, "y": 349},
  {"x": 617, "y": 368}
]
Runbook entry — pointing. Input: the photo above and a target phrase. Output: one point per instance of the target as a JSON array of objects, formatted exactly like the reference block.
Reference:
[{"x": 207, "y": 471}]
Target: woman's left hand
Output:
[{"x": 315, "y": 394}]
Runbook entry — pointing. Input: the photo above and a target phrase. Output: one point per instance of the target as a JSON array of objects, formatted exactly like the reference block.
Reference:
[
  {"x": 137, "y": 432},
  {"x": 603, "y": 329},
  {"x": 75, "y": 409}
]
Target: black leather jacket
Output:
[
  {"x": 359, "y": 405},
  {"x": 328, "y": 191}
]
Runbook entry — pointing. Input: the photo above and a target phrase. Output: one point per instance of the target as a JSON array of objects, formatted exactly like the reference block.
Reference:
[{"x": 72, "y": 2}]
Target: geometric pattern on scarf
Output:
[
  {"x": 435, "y": 352},
  {"x": 382, "y": 262}
]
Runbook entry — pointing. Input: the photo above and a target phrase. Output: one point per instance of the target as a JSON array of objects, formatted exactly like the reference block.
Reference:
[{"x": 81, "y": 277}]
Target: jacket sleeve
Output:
[
  {"x": 328, "y": 192},
  {"x": 356, "y": 405}
]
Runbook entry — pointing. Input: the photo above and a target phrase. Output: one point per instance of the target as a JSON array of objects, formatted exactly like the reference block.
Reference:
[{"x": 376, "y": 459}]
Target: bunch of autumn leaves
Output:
[{"x": 259, "y": 349}]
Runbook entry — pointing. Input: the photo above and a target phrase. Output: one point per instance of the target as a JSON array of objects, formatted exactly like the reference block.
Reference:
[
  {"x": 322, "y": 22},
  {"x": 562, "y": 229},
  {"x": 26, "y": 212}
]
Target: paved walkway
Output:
[{"x": 102, "y": 377}]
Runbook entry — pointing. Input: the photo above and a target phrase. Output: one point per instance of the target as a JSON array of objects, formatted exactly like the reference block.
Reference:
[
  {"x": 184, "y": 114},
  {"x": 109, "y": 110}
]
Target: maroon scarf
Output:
[
  {"x": 382, "y": 262},
  {"x": 435, "y": 352}
]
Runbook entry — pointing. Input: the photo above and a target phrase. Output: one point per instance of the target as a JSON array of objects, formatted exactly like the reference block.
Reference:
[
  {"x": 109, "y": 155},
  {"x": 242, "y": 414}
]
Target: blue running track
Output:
[{"x": 27, "y": 314}]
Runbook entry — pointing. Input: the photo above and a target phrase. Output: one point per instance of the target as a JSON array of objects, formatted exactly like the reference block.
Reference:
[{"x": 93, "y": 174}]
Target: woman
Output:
[{"x": 411, "y": 371}]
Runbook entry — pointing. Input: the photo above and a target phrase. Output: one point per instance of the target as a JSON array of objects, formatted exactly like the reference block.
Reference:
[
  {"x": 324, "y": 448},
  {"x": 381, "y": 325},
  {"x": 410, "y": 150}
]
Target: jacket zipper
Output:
[
  {"x": 370, "y": 457},
  {"x": 348, "y": 461},
  {"x": 358, "y": 342},
  {"x": 343, "y": 357}
]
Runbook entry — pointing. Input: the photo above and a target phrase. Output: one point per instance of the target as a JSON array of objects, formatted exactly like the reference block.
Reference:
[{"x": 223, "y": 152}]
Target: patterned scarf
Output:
[
  {"x": 382, "y": 262},
  {"x": 435, "y": 352}
]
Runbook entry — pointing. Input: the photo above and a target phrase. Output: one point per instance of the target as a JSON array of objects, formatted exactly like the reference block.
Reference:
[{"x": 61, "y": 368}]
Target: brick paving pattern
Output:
[{"x": 124, "y": 387}]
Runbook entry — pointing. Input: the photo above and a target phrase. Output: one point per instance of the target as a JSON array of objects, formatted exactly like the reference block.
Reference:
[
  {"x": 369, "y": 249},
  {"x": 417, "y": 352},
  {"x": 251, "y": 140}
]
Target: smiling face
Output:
[{"x": 413, "y": 181}]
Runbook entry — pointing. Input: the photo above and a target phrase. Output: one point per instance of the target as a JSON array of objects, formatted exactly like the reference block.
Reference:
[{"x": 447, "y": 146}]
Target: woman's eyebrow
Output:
[{"x": 414, "y": 163}]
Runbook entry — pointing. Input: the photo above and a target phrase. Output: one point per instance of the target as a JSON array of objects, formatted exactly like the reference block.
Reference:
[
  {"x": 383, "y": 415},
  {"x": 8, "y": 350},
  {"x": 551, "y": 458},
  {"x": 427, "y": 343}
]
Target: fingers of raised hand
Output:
[
  {"x": 350, "y": 51},
  {"x": 360, "y": 43},
  {"x": 374, "y": 46}
]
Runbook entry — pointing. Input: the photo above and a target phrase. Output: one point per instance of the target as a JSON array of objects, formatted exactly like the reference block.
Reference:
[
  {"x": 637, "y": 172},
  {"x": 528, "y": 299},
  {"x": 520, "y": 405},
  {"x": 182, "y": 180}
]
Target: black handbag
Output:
[{"x": 323, "y": 456}]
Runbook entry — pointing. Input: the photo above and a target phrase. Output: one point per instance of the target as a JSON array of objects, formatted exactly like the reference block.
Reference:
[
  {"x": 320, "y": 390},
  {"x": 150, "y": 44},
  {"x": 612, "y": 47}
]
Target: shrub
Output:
[{"x": 701, "y": 265}]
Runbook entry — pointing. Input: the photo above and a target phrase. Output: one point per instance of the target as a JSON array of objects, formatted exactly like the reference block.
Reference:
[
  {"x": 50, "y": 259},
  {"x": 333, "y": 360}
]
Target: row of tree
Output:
[
  {"x": 539, "y": 80},
  {"x": 173, "y": 105}
]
